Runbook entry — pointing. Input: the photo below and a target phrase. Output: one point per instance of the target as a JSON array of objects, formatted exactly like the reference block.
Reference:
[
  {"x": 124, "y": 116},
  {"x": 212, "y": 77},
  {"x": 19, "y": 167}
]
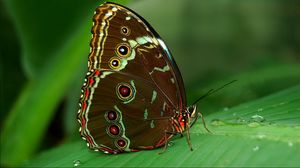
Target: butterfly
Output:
[{"x": 133, "y": 96}]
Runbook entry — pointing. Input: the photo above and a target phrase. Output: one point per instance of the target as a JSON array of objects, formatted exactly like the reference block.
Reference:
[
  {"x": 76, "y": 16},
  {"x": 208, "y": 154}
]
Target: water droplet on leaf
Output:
[
  {"x": 282, "y": 103},
  {"x": 260, "y": 109},
  {"x": 260, "y": 136},
  {"x": 257, "y": 118},
  {"x": 217, "y": 122},
  {"x": 256, "y": 148},
  {"x": 170, "y": 143},
  {"x": 253, "y": 124},
  {"x": 290, "y": 144},
  {"x": 240, "y": 120},
  {"x": 76, "y": 163}
]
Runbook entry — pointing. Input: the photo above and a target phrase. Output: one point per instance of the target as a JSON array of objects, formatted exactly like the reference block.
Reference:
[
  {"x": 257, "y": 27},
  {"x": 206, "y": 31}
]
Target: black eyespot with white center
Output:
[
  {"x": 114, "y": 63},
  {"x": 125, "y": 30},
  {"x": 123, "y": 50}
]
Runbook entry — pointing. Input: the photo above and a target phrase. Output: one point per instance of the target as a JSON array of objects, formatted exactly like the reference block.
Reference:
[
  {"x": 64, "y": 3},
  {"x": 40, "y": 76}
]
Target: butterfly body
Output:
[{"x": 133, "y": 96}]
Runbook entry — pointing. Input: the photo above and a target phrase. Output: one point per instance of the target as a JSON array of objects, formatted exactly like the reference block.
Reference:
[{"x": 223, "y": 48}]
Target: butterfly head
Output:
[
  {"x": 188, "y": 117},
  {"x": 191, "y": 111}
]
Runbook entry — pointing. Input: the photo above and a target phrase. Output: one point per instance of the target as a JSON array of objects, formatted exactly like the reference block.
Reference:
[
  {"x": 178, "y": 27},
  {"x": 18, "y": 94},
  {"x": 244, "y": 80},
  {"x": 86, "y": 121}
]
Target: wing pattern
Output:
[{"x": 132, "y": 89}]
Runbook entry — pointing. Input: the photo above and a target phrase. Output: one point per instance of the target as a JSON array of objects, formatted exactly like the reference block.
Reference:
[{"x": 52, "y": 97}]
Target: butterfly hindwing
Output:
[{"x": 133, "y": 87}]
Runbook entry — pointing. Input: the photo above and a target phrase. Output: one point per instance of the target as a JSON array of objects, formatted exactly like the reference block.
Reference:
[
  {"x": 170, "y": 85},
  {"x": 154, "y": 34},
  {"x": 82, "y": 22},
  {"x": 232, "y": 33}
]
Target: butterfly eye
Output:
[
  {"x": 125, "y": 30},
  {"x": 114, "y": 63},
  {"x": 123, "y": 50},
  {"x": 190, "y": 109}
]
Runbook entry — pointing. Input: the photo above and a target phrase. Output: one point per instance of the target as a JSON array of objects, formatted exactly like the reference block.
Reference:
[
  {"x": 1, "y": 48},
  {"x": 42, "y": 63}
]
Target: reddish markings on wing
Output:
[
  {"x": 83, "y": 123},
  {"x": 134, "y": 150},
  {"x": 107, "y": 150},
  {"x": 89, "y": 139},
  {"x": 83, "y": 106},
  {"x": 97, "y": 72},
  {"x": 91, "y": 82},
  {"x": 87, "y": 94}
]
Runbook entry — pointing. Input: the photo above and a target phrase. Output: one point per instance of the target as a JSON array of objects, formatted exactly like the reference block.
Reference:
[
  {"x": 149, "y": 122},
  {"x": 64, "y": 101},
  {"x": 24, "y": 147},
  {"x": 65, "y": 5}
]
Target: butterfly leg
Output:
[
  {"x": 167, "y": 139},
  {"x": 203, "y": 121},
  {"x": 188, "y": 137}
]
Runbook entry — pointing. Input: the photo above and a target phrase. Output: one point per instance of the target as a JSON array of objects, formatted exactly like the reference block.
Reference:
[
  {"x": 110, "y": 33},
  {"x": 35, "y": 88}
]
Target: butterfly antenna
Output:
[{"x": 211, "y": 91}]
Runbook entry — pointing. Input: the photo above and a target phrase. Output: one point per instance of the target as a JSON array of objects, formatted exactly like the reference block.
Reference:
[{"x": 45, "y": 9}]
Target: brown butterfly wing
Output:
[{"x": 127, "y": 55}]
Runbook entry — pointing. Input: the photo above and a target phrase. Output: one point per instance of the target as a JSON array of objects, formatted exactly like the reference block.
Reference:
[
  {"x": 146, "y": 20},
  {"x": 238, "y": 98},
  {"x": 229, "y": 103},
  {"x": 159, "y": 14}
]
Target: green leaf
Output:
[
  {"x": 44, "y": 26},
  {"x": 249, "y": 86},
  {"x": 264, "y": 132},
  {"x": 35, "y": 106}
]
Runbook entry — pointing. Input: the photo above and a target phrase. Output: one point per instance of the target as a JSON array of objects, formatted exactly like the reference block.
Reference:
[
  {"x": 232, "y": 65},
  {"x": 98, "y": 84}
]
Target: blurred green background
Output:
[{"x": 45, "y": 44}]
